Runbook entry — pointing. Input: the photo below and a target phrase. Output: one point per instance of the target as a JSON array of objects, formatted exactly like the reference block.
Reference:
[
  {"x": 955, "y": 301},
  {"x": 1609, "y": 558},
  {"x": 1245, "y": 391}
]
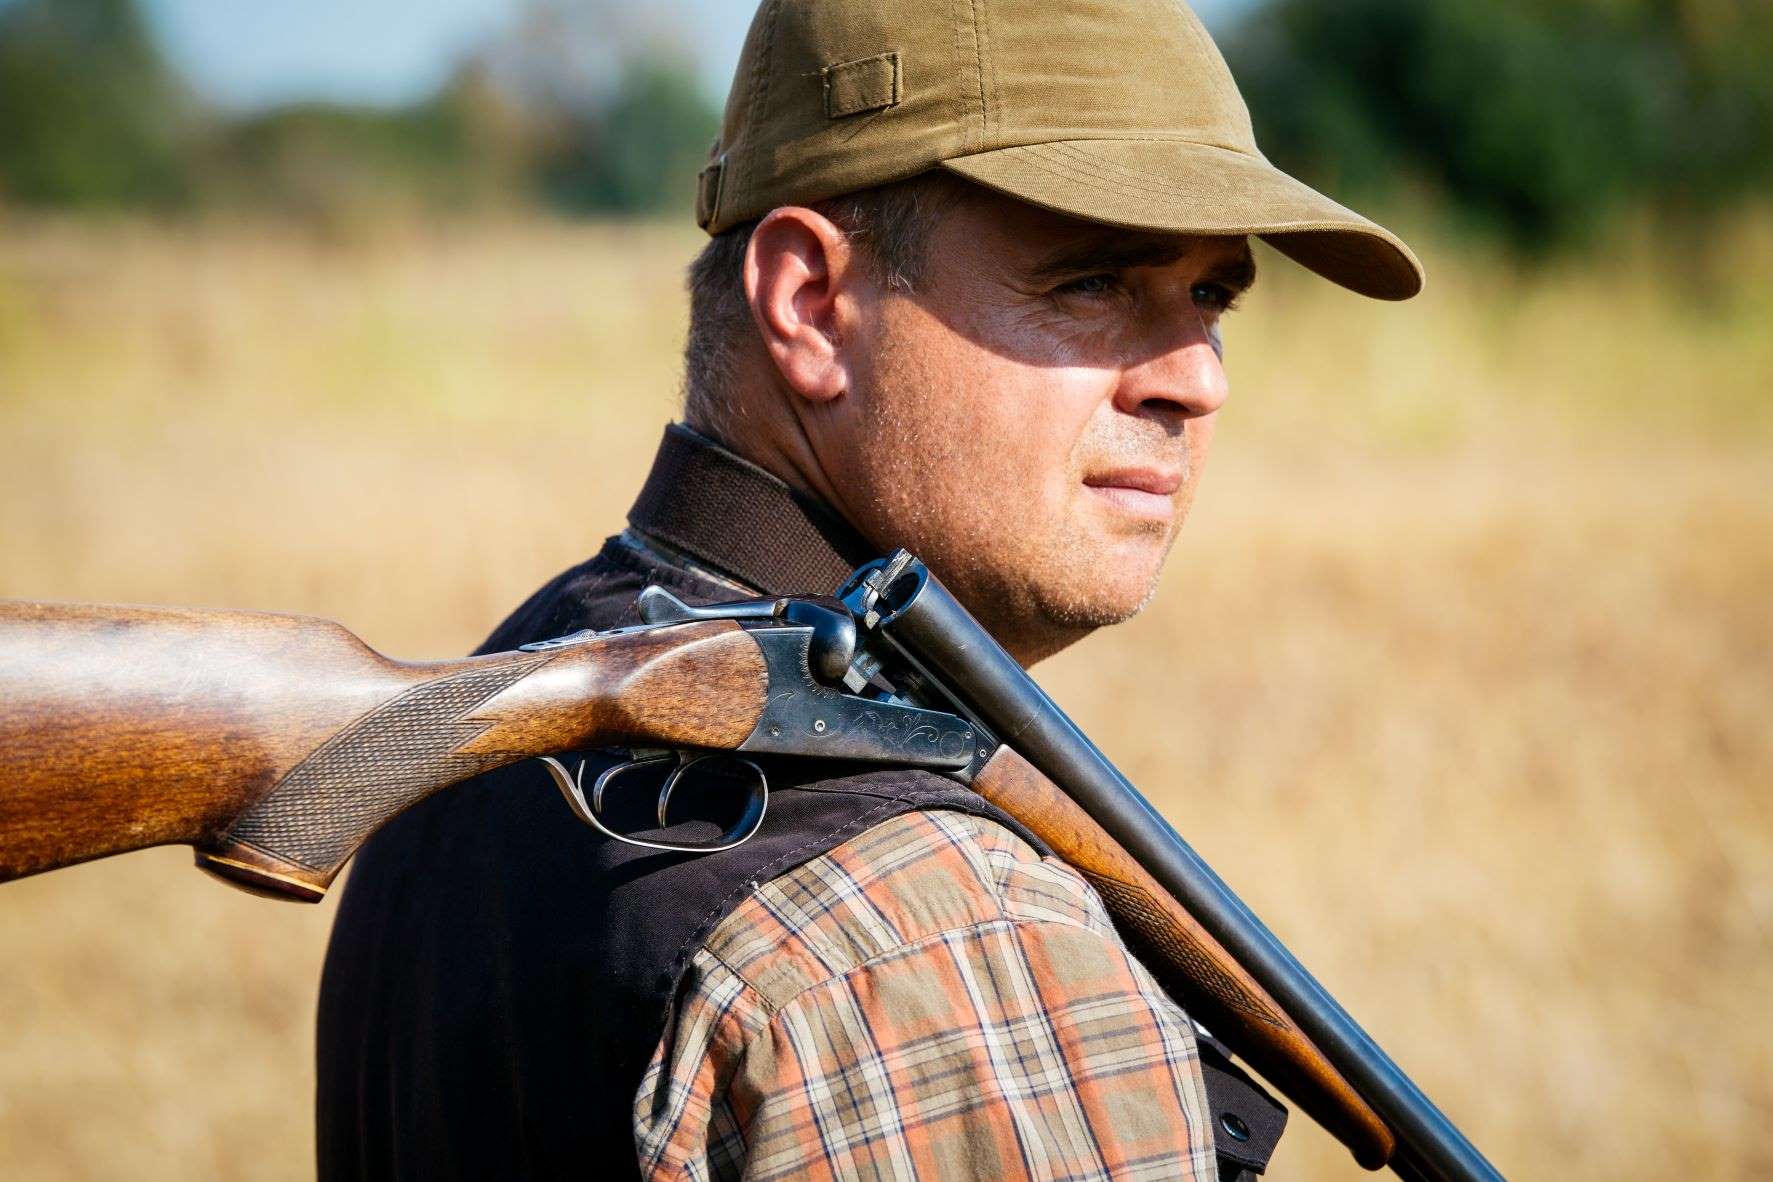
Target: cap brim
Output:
[{"x": 1187, "y": 188}]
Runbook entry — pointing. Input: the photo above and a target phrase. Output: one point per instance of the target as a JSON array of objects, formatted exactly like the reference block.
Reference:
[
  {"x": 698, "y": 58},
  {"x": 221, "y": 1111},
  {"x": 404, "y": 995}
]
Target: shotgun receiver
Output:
[{"x": 276, "y": 745}]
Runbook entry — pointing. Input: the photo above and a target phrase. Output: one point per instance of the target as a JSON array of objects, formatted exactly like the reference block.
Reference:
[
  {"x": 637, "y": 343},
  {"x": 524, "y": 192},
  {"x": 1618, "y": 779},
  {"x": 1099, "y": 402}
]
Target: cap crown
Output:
[{"x": 832, "y": 96}]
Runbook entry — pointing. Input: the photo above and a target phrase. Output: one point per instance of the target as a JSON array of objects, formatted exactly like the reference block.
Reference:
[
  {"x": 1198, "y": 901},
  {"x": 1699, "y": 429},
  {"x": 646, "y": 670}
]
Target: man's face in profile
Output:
[{"x": 1034, "y": 418}]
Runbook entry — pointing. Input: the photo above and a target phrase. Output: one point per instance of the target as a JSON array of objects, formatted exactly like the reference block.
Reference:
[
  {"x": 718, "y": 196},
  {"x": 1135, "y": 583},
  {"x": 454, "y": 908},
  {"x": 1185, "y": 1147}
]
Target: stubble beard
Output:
[
  {"x": 1038, "y": 586},
  {"x": 1081, "y": 596},
  {"x": 1081, "y": 603}
]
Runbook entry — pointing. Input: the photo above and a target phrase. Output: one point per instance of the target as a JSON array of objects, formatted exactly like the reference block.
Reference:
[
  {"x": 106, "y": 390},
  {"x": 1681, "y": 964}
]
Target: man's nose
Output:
[{"x": 1181, "y": 378}]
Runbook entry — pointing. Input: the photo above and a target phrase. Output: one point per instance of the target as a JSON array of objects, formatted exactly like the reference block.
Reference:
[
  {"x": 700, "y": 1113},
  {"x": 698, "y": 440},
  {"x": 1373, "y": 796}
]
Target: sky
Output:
[{"x": 250, "y": 54}]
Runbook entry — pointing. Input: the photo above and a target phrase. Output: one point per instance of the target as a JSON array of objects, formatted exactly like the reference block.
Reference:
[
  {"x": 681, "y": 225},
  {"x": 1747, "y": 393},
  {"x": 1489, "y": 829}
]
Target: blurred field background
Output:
[{"x": 1462, "y": 673}]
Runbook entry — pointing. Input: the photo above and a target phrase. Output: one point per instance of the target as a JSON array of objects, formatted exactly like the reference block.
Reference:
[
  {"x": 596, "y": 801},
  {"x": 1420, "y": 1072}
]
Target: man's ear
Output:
[{"x": 799, "y": 273}]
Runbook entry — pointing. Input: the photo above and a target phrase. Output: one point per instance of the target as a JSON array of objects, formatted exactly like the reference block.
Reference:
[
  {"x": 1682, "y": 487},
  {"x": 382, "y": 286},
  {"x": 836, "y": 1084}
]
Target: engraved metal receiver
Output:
[{"x": 819, "y": 704}]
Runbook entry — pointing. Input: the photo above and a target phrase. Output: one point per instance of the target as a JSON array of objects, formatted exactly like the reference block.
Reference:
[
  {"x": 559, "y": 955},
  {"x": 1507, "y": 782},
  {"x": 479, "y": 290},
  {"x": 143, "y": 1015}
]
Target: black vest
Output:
[{"x": 499, "y": 974}]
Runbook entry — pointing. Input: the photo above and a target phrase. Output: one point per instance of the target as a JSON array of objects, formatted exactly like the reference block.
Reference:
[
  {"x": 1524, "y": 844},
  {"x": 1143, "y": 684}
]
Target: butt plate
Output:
[{"x": 259, "y": 879}]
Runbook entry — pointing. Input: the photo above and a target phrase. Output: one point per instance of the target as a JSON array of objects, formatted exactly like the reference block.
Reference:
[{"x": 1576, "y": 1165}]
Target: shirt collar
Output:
[{"x": 724, "y": 512}]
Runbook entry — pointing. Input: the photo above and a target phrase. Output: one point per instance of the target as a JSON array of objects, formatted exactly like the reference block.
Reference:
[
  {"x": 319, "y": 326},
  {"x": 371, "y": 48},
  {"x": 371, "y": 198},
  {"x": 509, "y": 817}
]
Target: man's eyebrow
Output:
[
  {"x": 1108, "y": 253},
  {"x": 1238, "y": 274},
  {"x": 1121, "y": 252}
]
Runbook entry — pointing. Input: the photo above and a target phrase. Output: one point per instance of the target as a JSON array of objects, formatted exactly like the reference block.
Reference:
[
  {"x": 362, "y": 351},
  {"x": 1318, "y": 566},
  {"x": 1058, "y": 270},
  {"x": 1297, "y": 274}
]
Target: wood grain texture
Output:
[
  {"x": 277, "y": 744},
  {"x": 1187, "y": 961}
]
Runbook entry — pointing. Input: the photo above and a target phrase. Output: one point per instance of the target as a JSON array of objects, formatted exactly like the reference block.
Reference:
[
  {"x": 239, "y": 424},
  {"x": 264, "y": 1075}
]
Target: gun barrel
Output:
[{"x": 934, "y": 631}]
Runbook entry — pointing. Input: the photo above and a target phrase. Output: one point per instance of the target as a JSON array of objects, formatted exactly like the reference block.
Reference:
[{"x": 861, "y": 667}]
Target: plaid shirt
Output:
[{"x": 931, "y": 999}]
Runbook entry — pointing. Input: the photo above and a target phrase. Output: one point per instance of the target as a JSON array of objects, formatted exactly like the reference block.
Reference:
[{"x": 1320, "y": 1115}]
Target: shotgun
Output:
[{"x": 276, "y": 745}]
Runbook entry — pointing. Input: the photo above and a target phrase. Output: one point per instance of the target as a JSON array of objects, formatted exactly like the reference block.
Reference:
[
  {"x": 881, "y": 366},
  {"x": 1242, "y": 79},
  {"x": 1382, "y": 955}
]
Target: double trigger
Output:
[{"x": 591, "y": 809}]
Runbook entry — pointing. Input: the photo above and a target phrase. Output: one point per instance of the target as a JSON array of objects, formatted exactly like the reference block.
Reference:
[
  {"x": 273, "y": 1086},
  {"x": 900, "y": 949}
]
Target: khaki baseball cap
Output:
[{"x": 1115, "y": 111}]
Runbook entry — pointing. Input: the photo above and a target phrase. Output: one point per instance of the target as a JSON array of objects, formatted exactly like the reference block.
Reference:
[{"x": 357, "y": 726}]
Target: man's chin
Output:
[
  {"x": 1111, "y": 591},
  {"x": 1049, "y": 597}
]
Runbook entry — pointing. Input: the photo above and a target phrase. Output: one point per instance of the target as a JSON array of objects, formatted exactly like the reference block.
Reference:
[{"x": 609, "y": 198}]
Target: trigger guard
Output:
[
  {"x": 748, "y": 822},
  {"x": 572, "y": 789}
]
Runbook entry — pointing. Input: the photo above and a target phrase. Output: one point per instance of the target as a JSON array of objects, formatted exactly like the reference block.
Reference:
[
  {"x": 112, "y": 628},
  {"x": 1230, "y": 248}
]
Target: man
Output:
[{"x": 964, "y": 295}]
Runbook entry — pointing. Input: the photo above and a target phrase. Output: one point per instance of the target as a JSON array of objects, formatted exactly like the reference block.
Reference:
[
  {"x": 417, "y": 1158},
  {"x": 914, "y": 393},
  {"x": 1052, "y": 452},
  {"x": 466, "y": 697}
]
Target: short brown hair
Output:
[{"x": 890, "y": 224}]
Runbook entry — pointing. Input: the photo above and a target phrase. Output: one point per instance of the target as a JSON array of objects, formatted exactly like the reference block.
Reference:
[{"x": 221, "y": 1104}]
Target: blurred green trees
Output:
[
  {"x": 1533, "y": 117},
  {"x": 639, "y": 150},
  {"x": 91, "y": 116}
]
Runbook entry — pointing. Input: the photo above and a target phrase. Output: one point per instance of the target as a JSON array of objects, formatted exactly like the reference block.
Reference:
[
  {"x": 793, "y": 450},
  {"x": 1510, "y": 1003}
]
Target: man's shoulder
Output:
[
  {"x": 916, "y": 877},
  {"x": 929, "y": 983}
]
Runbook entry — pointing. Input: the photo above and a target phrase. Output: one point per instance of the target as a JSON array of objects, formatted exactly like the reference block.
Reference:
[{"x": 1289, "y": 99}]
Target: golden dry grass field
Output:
[{"x": 1462, "y": 673}]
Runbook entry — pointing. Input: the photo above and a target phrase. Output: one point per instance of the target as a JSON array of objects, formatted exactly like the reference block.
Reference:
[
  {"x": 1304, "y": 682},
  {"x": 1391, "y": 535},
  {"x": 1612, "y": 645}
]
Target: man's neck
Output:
[{"x": 790, "y": 458}]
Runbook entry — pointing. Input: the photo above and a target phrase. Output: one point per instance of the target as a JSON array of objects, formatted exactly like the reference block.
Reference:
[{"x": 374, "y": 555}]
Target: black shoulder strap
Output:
[
  {"x": 1247, "y": 1122},
  {"x": 727, "y": 513}
]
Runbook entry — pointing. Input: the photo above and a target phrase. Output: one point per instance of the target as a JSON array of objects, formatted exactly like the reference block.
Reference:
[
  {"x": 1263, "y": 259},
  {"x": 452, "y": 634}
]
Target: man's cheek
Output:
[
  {"x": 1031, "y": 448},
  {"x": 1200, "y": 446}
]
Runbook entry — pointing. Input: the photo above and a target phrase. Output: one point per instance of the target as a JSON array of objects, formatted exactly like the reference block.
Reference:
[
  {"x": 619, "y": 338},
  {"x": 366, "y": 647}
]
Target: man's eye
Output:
[
  {"x": 1214, "y": 297},
  {"x": 1091, "y": 285}
]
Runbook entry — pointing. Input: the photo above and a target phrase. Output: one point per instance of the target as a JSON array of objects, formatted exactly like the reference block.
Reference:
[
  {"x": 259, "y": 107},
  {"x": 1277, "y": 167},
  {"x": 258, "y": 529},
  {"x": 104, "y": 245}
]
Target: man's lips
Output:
[
  {"x": 1161, "y": 482},
  {"x": 1146, "y": 492}
]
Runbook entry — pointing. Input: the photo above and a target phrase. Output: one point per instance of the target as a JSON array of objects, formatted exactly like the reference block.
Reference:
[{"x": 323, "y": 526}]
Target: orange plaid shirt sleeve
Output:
[{"x": 931, "y": 999}]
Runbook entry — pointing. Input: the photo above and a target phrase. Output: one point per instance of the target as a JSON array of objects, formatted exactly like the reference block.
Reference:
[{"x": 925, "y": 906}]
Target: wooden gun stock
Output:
[
  {"x": 275, "y": 745},
  {"x": 1190, "y": 965}
]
